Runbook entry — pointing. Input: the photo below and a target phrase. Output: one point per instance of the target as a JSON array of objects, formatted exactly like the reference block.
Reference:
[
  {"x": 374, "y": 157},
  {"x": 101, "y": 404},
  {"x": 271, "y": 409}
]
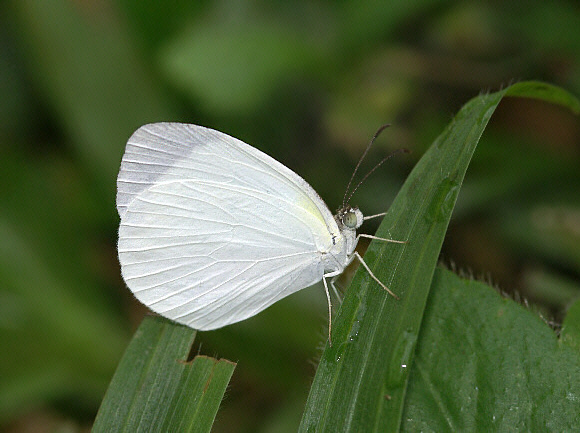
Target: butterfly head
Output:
[{"x": 349, "y": 218}]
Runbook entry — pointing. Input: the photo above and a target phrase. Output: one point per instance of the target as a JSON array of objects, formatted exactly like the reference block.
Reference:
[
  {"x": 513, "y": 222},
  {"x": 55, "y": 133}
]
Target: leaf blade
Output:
[
  {"x": 155, "y": 388},
  {"x": 375, "y": 336},
  {"x": 485, "y": 363}
]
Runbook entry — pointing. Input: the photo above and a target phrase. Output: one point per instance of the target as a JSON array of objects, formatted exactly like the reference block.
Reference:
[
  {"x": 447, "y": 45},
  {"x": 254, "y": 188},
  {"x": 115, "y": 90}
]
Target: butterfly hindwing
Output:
[{"x": 212, "y": 230}]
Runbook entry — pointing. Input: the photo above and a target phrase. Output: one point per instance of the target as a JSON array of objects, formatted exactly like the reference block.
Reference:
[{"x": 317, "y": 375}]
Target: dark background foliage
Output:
[{"x": 308, "y": 83}]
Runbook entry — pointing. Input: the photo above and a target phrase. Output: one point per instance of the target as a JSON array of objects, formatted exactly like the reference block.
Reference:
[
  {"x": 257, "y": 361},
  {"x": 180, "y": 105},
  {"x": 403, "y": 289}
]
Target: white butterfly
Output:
[{"x": 213, "y": 231}]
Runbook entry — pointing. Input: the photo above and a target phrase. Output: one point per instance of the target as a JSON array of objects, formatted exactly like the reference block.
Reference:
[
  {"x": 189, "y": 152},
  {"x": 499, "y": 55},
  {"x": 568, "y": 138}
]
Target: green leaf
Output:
[
  {"x": 155, "y": 388},
  {"x": 361, "y": 382},
  {"x": 484, "y": 363}
]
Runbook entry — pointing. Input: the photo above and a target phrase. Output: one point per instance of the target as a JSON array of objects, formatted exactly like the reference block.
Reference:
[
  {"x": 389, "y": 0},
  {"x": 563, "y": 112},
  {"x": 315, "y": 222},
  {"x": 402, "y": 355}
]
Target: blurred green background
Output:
[{"x": 308, "y": 82}]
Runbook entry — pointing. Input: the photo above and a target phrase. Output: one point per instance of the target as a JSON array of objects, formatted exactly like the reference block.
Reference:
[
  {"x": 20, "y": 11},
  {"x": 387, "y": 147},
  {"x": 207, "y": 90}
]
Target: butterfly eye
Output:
[{"x": 350, "y": 220}]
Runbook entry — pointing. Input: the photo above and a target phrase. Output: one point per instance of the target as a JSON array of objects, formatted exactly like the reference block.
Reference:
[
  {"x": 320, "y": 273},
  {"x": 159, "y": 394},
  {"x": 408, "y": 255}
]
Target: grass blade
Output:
[
  {"x": 362, "y": 379},
  {"x": 156, "y": 389}
]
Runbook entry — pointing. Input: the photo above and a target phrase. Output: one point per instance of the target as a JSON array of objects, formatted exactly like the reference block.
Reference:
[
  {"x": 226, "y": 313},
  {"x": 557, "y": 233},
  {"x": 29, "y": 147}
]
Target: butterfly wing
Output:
[{"x": 212, "y": 230}]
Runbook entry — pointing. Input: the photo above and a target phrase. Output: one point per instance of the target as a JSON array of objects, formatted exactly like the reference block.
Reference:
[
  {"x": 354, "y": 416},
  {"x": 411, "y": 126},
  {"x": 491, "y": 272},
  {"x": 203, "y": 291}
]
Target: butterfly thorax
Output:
[{"x": 348, "y": 219}]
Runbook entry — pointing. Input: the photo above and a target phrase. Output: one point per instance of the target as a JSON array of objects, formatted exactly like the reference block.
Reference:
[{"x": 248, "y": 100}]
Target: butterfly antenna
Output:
[
  {"x": 374, "y": 168},
  {"x": 344, "y": 199}
]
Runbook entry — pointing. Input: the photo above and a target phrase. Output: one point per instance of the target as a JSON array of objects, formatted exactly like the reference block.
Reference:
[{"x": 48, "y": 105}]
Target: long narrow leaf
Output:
[
  {"x": 156, "y": 389},
  {"x": 362, "y": 379}
]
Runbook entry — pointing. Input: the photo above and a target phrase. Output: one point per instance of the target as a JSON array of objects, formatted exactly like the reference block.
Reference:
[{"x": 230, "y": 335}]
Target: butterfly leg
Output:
[
  {"x": 333, "y": 285},
  {"x": 362, "y": 262},
  {"x": 329, "y": 311},
  {"x": 370, "y": 217},
  {"x": 331, "y": 275},
  {"x": 362, "y": 235}
]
